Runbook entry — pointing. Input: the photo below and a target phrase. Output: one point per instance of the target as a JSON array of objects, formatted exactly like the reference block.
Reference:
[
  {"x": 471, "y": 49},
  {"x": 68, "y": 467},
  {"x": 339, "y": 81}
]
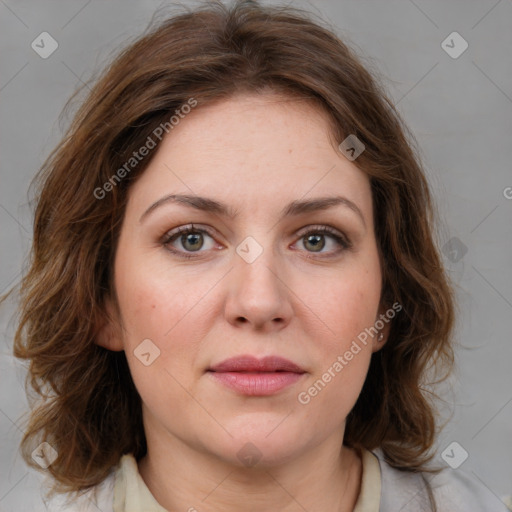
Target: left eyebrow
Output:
[
  {"x": 300, "y": 207},
  {"x": 295, "y": 208}
]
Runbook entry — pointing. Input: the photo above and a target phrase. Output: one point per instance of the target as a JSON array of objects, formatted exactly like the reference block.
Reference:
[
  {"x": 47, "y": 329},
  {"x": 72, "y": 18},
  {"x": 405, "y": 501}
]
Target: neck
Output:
[{"x": 183, "y": 478}]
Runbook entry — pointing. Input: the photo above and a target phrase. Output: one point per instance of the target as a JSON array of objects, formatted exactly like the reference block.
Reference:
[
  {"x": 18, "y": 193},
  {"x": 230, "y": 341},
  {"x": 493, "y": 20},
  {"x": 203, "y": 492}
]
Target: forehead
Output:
[
  {"x": 253, "y": 148},
  {"x": 254, "y": 124}
]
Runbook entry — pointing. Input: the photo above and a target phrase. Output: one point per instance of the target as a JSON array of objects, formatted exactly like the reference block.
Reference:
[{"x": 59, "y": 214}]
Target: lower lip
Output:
[{"x": 257, "y": 384}]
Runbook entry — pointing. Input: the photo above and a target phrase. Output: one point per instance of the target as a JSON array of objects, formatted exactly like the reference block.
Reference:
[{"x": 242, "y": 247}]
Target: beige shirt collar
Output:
[{"x": 132, "y": 494}]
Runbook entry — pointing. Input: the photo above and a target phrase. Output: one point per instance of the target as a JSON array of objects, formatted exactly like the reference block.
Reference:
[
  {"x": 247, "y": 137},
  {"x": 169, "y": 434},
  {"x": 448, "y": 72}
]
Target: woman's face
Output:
[{"x": 261, "y": 280}]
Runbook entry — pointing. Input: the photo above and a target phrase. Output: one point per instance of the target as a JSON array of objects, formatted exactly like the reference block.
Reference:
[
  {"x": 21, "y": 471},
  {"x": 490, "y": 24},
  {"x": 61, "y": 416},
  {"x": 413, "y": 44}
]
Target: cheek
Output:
[
  {"x": 165, "y": 317},
  {"x": 161, "y": 339},
  {"x": 348, "y": 306},
  {"x": 334, "y": 387},
  {"x": 155, "y": 299},
  {"x": 347, "y": 303}
]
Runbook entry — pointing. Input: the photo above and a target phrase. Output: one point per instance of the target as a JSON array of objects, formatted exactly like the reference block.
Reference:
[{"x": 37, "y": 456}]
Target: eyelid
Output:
[
  {"x": 328, "y": 230},
  {"x": 168, "y": 235},
  {"x": 324, "y": 229}
]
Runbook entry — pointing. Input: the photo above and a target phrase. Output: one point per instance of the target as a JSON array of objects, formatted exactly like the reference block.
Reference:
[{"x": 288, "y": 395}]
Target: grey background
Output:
[{"x": 460, "y": 111}]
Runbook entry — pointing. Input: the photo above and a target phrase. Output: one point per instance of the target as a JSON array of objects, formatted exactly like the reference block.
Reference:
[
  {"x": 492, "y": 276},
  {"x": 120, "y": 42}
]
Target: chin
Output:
[{"x": 261, "y": 447}]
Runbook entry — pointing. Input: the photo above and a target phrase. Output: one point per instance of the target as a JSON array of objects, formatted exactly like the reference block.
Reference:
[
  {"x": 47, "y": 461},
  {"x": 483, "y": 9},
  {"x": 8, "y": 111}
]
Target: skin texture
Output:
[{"x": 256, "y": 154}]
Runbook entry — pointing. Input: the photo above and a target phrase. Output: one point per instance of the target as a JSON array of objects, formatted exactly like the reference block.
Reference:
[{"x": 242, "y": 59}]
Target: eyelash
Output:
[{"x": 169, "y": 237}]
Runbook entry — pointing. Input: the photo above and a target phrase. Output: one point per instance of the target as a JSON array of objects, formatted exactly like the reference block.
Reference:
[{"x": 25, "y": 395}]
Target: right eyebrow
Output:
[{"x": 204, "y": 204}]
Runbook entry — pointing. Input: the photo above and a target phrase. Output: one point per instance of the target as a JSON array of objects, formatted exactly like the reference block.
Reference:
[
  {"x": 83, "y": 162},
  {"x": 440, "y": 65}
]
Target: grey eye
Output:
[{"x": 316, "y": 242}]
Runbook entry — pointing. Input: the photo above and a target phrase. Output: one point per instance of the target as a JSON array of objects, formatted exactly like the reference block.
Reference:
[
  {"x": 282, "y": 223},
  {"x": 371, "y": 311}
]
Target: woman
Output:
[{"x": 234, "y": 290}]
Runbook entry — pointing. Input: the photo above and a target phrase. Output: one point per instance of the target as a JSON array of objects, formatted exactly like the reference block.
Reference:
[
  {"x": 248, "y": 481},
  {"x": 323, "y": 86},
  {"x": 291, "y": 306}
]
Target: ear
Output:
[
  {"x": 108, "y": 329},
  {"x": 380, "y": 339}
]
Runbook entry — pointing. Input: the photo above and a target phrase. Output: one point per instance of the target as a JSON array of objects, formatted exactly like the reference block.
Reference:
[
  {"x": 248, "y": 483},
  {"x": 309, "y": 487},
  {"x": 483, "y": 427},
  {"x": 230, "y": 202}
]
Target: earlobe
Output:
[
  {"x": 384, "y": 325},
  {"x": 379, "y": 341},
  {"x": 108, "y": 333}
]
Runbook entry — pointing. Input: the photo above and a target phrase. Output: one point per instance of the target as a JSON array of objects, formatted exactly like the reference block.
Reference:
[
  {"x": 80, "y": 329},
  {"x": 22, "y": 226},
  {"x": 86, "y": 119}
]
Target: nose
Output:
[{"x": 258, "y": 296}]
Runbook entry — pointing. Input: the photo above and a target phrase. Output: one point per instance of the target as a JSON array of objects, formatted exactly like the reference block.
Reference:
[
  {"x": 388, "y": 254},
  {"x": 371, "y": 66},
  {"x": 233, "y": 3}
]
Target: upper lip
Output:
[{"x": 247, "y": 363}]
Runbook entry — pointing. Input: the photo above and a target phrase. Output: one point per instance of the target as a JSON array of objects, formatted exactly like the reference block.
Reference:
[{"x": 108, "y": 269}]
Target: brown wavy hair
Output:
[{"x": 87, "y": 406}]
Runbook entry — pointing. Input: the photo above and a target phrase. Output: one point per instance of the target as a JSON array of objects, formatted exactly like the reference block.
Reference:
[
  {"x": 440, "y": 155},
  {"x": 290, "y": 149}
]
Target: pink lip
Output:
[
  {"x": 248, "y": 363},
  {"x": 257, "y": 377}
]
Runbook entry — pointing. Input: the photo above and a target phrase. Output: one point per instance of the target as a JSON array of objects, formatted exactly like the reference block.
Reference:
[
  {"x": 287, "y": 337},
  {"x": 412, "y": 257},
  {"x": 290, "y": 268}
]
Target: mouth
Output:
[{"x": 250, "y": 376}]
